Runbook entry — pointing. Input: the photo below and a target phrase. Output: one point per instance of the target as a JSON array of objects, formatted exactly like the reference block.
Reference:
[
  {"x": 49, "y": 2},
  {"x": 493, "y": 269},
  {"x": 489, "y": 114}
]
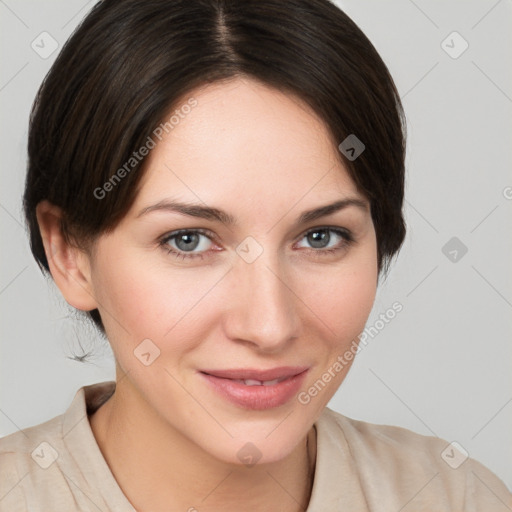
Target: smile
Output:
[{"x": 256, "y": 389}]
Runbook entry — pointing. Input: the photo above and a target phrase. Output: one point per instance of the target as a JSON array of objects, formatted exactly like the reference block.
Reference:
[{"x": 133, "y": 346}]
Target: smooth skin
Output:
[{"x": 263, "y": 157}]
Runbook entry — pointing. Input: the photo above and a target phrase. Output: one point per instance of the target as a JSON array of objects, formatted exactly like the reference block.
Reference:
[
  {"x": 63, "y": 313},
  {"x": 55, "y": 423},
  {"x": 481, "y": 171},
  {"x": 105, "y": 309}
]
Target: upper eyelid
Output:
[
  {"x": 334, "y": 229},
  {"x": 176, "y": 232}
]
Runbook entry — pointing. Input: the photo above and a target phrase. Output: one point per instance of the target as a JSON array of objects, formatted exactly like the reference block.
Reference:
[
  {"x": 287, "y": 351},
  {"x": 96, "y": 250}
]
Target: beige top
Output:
[{"x": 57, "y": 466}]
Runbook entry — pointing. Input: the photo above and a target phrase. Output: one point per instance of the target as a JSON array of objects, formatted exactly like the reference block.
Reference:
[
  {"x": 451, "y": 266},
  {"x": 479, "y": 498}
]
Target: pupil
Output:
[
  {"x": 319, "y": 239},
  {"x": 187, "y": 241}
]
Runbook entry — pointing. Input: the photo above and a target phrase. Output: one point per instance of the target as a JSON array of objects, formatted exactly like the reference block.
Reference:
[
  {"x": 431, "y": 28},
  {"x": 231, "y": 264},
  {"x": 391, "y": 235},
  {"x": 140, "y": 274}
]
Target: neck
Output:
[{"x": 158, "y": 468}]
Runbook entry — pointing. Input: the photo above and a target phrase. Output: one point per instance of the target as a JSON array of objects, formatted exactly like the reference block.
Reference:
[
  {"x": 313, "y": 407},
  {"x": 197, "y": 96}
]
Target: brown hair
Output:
[{"x": 130, "y": 61}]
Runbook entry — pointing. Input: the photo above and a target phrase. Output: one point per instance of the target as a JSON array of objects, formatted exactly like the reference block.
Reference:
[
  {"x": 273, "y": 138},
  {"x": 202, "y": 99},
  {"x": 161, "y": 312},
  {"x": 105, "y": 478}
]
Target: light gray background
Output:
[{"x": 443, "y": 365}]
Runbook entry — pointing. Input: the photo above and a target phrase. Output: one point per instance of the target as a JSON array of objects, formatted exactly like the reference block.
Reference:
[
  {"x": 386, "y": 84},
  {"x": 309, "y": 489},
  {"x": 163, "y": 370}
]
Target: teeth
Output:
[{"x": 253, "y": 382}]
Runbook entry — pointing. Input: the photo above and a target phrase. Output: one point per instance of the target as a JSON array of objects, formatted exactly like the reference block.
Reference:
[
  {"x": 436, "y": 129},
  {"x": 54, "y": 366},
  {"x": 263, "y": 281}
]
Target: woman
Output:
[{"x": 219, "y": 184}]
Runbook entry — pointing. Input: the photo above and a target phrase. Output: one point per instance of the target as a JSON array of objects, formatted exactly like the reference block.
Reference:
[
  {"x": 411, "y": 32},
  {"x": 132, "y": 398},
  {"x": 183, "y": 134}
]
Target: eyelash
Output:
[{"x": 345, "y": 234}]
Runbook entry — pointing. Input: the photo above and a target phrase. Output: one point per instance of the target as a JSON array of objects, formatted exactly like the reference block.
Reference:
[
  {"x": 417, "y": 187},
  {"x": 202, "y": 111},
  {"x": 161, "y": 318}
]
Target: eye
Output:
[
  {"x": 187, "y": 243},
  {"x": 195, "y": 243},
  {"x": 328, "y": 239}
]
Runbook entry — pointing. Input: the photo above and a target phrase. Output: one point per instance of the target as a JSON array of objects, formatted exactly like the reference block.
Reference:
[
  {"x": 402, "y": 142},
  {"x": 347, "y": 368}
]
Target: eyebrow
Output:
[{"x": 207, "y": 212}]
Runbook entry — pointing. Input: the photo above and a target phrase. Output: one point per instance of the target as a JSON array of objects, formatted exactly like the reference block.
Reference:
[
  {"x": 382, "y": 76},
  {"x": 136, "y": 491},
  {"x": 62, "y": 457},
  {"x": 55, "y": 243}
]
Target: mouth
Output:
[{"x": 256, "y": 389}]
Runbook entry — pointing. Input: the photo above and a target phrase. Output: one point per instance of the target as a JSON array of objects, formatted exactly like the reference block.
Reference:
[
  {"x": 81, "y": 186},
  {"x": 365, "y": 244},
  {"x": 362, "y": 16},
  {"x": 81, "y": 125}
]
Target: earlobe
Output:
[{"x": 69, "y": 265}]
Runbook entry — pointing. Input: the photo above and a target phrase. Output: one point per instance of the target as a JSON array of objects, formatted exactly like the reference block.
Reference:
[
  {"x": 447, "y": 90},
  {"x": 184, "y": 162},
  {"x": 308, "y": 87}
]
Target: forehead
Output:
[{"x": 245, "y": 141}]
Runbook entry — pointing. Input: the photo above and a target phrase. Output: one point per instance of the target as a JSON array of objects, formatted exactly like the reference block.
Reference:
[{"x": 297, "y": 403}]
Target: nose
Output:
[{"x": 263, "y": 306}]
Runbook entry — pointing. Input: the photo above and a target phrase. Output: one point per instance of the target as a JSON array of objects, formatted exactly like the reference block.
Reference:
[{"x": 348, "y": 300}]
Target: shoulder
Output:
[
  {"x": 38, "y": 463},
  {"x": 389, "y": 457},
  {"x": 387, "y": 440},
  {"x": 22, "y": 454},
  {"x": 23, "y": 440},
  {"x": 30, "y": 444}
]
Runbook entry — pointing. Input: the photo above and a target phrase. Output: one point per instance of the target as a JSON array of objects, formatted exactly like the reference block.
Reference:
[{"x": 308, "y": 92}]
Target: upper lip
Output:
[{"x": 282, "y": 372}]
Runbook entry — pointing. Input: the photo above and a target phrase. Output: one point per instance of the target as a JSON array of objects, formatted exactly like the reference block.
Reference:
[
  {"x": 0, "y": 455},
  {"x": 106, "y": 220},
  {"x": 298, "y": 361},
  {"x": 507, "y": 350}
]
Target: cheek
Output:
[
  {"x": 152, "y": 301},
  {"x": 351, "y": 302},
  {"x": 341, "y": 298},
  {"x": 342, "y": 303}
]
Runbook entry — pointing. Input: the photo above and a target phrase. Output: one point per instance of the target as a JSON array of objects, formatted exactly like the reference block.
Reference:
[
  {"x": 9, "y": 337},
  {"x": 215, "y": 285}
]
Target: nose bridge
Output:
[{"x": 263, "y": 310}]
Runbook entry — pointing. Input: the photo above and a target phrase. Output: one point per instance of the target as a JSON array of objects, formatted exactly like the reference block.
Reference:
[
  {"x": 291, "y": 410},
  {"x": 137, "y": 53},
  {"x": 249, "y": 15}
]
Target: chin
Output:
[
  {"x": 258, "y": 442},
  {"x": 250, "y": 453}
]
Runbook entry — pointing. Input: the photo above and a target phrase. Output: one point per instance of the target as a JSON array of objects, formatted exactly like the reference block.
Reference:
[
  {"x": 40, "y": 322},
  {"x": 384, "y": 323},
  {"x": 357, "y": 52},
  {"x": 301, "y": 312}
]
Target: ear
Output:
[{"x": 70, "y": 267}]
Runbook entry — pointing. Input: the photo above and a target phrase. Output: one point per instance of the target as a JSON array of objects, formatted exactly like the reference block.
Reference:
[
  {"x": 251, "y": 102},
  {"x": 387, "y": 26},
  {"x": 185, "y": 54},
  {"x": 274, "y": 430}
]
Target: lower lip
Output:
[{"x": 257, "y": 397}]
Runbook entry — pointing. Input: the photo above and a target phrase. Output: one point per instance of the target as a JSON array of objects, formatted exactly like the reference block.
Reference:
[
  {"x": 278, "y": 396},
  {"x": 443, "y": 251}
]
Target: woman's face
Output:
[{"x": 198, "y": 321}]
